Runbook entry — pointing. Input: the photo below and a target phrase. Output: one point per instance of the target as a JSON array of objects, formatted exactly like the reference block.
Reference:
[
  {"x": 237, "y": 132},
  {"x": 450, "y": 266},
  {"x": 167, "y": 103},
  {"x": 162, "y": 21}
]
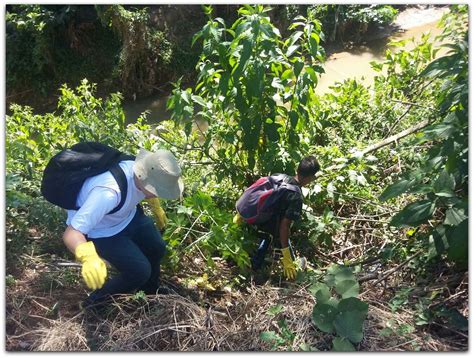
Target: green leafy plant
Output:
[
  {"x": 254, "y": 89},
  {"x": 284, "y": 337},
  {"x": 345, "y": 315},
  {"x": 201, "y": 224},
  {"x": 350, "y": 22},
  {"x": 139, "y": 297},
  {"x": 321, "y": 229},
  {"x": 442, "y": 176}
]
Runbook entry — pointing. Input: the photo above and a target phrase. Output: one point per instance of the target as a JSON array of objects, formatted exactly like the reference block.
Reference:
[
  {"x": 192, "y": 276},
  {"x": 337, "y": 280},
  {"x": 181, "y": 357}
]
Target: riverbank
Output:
[
  {"x": 374, "y": 42},
  {"x": 343, "y": 60}
]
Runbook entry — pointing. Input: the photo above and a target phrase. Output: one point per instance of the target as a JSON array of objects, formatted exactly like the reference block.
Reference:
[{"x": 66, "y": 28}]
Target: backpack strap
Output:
[
  {"x": 121, "y": 180},
  {"x": 284, "y": 179}
]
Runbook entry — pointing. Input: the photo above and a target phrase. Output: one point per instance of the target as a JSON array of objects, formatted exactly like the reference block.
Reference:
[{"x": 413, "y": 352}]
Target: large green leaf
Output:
[
  {"x": 340, "y": 344},
  {"x": 224, "y": 83},
  {"x": 440, "y": 65},
  {"x": 271, "y": 131},
  {"x": 444, "y": 184},
  {"x": 293, "y": 118},
  {"x": 439, "y": 131},
  {"x": 324, "y": 316},
  {"x": 438, "y": 241},
  {"x": 287, "y": 74},
  {"x": 353, "y": 304},
  {"x": 348, "y": 324},
  {"x": 458, "y": 244},
  {"x": 343, "y": 273},
  {"x": 414, "y": 214},
  {"x": 293, "y": 38},
  {"x": 350, "y": 319},
  {"x": 396, "y": 189},
  {"x": 244, "y": 57},
  {"x": 321, "y": 292},
  {"x": 347, "y": 288},
  {"x": 312, "y": 74},
  {"x": 454, "y": 216},
  {"x": 297, "y": 67}
]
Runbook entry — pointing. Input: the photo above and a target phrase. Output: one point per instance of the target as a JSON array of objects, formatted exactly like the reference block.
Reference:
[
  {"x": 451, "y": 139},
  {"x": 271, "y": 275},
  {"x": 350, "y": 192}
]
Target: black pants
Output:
[
  {"x": 136, "y": 253},
  {"x": 266, "y": 232}
]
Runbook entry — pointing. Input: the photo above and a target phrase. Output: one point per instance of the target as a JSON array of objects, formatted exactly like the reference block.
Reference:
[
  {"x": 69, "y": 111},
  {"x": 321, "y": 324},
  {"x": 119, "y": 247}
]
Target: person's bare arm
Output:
[
  {"x": 284, "y": 232},
  {"x": 73, "y": 238}
]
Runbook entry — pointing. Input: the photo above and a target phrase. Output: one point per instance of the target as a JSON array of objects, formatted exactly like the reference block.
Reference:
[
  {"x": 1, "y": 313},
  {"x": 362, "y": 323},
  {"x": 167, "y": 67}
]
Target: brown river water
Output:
[{"x": 353, "y": 63}]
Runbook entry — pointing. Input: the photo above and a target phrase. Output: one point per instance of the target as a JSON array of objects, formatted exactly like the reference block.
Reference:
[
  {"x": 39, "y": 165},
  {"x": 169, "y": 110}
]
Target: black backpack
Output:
[{"x": 66, "y": 172}]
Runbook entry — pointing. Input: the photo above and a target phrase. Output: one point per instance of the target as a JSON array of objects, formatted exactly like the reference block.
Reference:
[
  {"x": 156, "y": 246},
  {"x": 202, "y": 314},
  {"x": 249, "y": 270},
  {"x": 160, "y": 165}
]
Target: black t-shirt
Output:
[{"x": 290, "y": 205}]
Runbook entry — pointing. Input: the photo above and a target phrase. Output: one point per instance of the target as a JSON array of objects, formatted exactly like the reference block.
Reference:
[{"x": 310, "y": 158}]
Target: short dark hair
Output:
[{"x": 308, "y": 166}]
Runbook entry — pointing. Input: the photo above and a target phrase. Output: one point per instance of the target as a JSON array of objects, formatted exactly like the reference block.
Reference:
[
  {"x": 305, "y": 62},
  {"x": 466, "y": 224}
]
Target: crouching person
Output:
[
  {"x": 125, "y": 238},
  {"x": 271, "y": 204}
]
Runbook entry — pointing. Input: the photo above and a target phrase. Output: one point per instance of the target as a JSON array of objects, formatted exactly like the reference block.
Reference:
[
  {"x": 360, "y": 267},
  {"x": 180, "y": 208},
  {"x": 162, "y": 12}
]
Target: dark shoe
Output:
[
  {"x": 259, "y": 262},
  {"x": 260, "y": 278}
]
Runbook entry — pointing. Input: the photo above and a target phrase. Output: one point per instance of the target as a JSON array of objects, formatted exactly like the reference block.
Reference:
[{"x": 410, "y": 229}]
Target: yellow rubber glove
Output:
[
  {"x": 158, "y": 212},
  {"x": 289, "y": 268},
  {"x": 237, "y": 219},
  {"x": 94, "y": 270}
]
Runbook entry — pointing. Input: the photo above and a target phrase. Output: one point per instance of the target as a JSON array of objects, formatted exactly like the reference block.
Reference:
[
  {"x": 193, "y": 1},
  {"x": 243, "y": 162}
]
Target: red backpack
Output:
[{"x": 257, "y": 203}]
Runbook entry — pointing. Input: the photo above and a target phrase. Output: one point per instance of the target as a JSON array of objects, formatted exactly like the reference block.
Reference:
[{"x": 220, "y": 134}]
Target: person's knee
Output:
[
  {"x": 160, "y": 248},
  {"x": 163, "y": 246},
  {"x": 140, "y": 274}
]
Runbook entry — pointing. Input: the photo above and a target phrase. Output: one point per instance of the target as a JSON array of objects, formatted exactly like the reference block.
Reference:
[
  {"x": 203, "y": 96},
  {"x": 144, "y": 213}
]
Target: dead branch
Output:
[
  {"x": 381, "y": 144},
  {"x": 388, "y": 273}
]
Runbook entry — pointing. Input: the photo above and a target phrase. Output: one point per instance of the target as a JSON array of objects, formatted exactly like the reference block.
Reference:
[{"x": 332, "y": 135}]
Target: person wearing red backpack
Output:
[
  {"x": 127, "y": 238},
  {"x": 272, "y": 204}
]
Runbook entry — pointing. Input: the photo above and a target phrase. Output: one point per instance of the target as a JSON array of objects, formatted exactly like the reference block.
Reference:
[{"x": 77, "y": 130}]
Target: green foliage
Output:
[
  {"x": 342, "y": 345},
  {"x": 139, "y": 297},
  {"x": 30, "y": 24},
  {"x": 31, "y": 138},
  {"x": 257, "y": 91},
  {"x": 442, "y": 175},
  {"x": 140, "y": 48},
  {"x": 344, "y": 22},
  {"x": 372, "y": 14},
  {"x": 321, "y": 229},
  {"x": 254, "y": 89},
  {"x": 53, "y": 44},
  {"x": 284, "y": 338},
  {"x": 200, "y": 223},
  {"x": 344, "y": 316}
]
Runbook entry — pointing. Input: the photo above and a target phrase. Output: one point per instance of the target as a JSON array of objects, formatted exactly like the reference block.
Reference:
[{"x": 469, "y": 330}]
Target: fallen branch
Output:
[
  {"x": 388, "y": 273},
  {"x": 396, "y": 137},
  {"x": 377, "y": 146}
]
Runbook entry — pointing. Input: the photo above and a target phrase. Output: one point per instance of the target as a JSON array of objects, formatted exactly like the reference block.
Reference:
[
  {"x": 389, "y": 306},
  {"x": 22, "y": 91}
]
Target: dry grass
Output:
[
  {"x": 61, "y": 336},
  {"x": 42, "y": 311},
  {"x": 233, "y": 323}
]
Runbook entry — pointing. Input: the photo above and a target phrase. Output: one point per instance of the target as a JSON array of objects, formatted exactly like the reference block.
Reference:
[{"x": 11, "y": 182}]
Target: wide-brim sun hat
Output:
[{"x": 159, "y": 173}]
